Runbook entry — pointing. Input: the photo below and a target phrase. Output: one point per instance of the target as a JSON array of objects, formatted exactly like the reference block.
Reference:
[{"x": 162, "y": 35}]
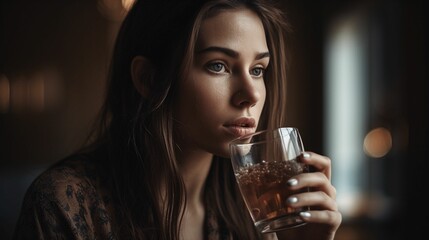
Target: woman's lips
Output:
[
  {"x": 241, "y": 126},
  {"x": 238, "y": 131}
]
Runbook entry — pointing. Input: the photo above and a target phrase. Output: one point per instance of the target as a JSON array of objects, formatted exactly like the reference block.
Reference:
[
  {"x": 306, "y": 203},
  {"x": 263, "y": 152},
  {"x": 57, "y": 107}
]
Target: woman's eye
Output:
[
  {"x": 258, "y": 72},
  {"x": 216, "y": 67}
]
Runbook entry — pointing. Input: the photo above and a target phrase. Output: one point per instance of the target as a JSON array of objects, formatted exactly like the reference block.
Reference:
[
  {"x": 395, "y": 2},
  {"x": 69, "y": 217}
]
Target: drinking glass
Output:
[{"x": 263, "y": 162}]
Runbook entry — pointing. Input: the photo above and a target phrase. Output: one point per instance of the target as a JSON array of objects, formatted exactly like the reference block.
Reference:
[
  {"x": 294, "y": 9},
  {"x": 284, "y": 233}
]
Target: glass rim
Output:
[{"x": 236, "y": 141}]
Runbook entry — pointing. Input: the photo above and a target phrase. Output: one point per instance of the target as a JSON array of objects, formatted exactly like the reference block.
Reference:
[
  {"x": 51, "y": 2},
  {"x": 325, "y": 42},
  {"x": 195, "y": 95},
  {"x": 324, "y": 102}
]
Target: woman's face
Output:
[{"x": 224, "y": 93}]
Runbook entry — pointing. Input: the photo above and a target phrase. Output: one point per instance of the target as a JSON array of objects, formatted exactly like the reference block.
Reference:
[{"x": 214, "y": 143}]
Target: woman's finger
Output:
[
  {"x": 319, "y": 162},
  {"x": 315, "y": 181}
]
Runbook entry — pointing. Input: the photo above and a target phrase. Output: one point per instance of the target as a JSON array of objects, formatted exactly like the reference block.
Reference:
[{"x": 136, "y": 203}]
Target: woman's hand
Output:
[{"x": 323, "y": 219}]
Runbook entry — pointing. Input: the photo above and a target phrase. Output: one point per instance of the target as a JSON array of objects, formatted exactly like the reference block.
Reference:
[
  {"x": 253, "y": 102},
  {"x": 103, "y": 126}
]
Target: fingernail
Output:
[
  {"x": 292, "y": 200},
  {"x": 292, "y": 182},
  {"x": 306, "y": 155},
  {"x": 305, "y": 214}
]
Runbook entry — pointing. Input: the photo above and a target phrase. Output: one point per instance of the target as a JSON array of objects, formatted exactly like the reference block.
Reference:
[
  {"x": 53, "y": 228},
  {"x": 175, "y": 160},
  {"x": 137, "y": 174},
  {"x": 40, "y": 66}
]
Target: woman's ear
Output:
[{"x": 141, "y": 74}]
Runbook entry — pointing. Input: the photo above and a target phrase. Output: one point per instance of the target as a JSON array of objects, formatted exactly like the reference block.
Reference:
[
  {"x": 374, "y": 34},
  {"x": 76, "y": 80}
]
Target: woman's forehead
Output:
[{"x": 231, "y": 28}]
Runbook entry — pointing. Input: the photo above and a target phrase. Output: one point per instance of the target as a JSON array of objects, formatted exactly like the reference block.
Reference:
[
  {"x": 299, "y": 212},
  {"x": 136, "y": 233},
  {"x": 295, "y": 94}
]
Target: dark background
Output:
[{"x": 63, "y": 47}]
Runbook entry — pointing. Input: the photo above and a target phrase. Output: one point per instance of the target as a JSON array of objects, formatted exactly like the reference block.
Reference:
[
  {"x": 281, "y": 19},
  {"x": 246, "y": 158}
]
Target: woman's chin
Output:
[{"x": 223, "y": 152}]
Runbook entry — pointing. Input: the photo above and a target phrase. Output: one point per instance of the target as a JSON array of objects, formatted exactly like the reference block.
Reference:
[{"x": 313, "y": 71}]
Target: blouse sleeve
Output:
[
  {"x": 42, "y": 216},
  {"x": 62, "y": 205}
]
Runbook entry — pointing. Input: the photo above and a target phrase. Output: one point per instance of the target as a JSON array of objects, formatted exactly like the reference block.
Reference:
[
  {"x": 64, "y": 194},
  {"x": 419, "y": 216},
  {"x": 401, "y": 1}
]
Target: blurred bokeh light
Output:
[{"x": 377, "y": 142}]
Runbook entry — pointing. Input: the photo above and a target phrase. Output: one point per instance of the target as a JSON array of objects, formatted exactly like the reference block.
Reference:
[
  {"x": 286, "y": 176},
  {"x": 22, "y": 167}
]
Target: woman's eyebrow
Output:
[
  {"x": 226, "y": 51},
  {"x": 262, "y": 55},
  {"x": 230, "y": 52}
]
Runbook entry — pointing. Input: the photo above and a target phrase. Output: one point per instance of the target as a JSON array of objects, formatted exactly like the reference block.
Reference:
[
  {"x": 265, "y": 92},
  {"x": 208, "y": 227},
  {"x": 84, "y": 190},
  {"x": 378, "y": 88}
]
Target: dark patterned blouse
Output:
[{"x": 69, "y": 201}]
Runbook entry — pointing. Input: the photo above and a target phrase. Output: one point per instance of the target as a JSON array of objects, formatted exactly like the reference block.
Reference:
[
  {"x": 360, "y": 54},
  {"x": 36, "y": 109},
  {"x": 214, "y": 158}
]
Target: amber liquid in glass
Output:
[{"x": 264, "y": 188}]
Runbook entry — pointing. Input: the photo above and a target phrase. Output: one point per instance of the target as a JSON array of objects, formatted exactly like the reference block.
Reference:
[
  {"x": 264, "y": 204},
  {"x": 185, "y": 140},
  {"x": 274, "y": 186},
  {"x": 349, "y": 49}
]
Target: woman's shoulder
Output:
[
  {"x": 67, "y": 198},
  {"x": 69, "y": 185},
  {"x": 76, "y": 173}
]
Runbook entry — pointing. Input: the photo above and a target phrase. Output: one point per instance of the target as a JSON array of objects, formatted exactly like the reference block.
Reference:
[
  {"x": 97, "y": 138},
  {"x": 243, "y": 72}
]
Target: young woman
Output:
[{"x": 187, "y": 77}]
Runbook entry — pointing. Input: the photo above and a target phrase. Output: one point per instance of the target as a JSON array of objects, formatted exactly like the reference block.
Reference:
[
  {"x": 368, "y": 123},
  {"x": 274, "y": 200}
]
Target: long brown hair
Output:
[{"x": 137, "y": 131}]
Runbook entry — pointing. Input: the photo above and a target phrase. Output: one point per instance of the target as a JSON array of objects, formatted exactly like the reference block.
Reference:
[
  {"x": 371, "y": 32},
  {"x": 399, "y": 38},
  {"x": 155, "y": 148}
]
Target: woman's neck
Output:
[{"x": 194, "y": 168}]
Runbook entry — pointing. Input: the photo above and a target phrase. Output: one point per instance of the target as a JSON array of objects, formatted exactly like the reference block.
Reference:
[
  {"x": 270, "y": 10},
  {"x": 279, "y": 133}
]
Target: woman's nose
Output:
[{"x": 248, "y": 91}]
